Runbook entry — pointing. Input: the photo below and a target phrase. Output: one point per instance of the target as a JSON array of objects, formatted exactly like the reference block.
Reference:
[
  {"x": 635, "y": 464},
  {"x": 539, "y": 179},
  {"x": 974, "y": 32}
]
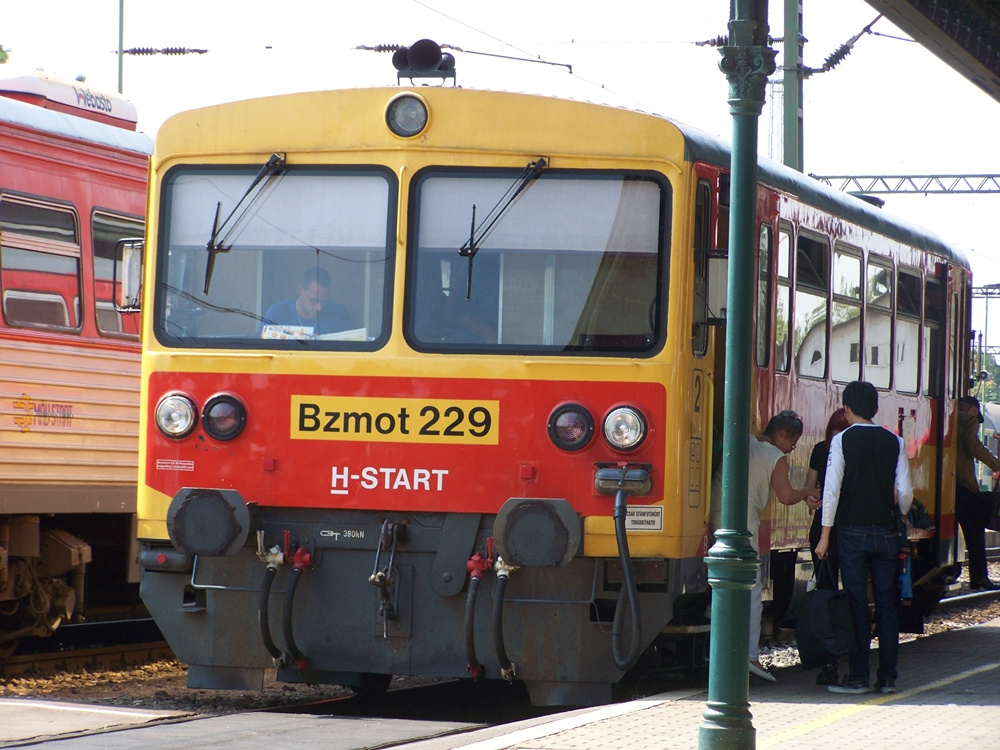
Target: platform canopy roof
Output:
[{"x": 965, "y": 34}]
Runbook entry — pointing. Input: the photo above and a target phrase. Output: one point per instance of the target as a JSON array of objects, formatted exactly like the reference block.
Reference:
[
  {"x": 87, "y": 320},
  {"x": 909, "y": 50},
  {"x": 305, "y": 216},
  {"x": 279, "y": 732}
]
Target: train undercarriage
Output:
[
  {"x": 359, "y": 596},
  {"x": 61, "y": 568}
]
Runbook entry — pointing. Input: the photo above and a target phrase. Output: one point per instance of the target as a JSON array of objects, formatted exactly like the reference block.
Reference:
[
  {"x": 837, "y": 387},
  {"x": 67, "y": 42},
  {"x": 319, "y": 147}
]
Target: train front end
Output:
[{"x": 468, "y": 446}]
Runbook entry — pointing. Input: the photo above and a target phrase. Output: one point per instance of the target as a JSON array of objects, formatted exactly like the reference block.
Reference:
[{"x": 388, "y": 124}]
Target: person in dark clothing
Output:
[
  {"x": 310, "y": 313},
  {"x": 867, "y": 475},
  {"x": 970, "y": 509},
  {"x": 828, "y": 574}
]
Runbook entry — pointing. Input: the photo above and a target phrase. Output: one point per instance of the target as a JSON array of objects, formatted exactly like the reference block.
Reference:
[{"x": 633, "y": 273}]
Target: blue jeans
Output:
[{"x": 864, "y": 551}]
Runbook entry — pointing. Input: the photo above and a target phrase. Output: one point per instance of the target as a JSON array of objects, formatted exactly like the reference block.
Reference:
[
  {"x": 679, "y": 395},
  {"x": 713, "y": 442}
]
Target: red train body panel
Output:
[{"x": 397, "y": 443}]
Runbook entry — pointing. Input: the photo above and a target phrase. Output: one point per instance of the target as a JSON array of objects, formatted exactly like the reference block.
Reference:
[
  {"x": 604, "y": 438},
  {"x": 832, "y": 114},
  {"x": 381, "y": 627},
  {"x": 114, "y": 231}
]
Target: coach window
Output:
[
  {"x": 764, "y": 294},
  {"x": 907, "y": 346},
  {"x": 878, "y": 323},
  {"x": 107, "y": 230},
  {"x": 40, "y": 264},
  {"x": 933, "y": 350},
  {"x": 845, "y": 336},
  {"x": 812, "y": 277},
  {"x": 783, "y": 320},
  {"x": 702, "y": 245},
  {"x": 954, "y": 359}
]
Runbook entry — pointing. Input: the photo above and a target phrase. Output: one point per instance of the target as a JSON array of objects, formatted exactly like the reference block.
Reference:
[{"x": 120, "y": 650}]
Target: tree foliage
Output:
[{"x": 986, "y": 390}]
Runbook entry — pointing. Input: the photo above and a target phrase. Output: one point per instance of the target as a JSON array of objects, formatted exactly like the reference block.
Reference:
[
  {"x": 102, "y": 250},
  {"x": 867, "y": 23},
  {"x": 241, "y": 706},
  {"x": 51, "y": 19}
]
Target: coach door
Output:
[
  {"x": 944, "y": 376},
  {"x": 708, "y": 342}
]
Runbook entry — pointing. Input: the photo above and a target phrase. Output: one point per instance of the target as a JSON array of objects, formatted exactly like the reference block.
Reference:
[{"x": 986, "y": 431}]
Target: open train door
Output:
[
  {"x": 708, "y": 341},
  {"x": 947, "y": 299},
  {"x": 946, "y": 371}
]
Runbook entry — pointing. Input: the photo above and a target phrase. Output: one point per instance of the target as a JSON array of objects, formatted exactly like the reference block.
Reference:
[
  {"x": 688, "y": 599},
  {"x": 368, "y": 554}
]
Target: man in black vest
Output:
[{"x": 867, "y": 479}]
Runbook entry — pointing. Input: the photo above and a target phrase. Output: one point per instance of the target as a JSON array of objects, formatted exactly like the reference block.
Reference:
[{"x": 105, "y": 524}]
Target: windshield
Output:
[
  {"x": 573, "y": 264},
  {"x": 303, "y": 260}
]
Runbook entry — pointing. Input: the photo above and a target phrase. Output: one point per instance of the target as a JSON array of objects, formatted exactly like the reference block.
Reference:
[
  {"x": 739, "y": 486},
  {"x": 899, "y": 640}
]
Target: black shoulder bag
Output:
[{"x": 823, "y": 628}]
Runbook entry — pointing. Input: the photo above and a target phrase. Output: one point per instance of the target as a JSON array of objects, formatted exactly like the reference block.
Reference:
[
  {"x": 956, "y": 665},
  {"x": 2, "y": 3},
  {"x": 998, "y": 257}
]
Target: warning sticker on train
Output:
[
  {"x": 644, "y": 518},
  {"x": 395, "y": 420}
]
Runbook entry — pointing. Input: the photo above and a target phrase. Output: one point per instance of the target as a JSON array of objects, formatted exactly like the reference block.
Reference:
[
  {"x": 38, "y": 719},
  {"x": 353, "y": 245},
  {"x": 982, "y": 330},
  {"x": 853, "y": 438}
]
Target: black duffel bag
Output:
[
  {"x": 990, "y": 509},
  {"x": 823, "y": 628}
]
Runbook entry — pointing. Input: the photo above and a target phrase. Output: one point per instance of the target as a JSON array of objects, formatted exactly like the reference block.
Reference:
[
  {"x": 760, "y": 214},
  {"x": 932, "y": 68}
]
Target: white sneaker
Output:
[{"x": 761, "y": 672}]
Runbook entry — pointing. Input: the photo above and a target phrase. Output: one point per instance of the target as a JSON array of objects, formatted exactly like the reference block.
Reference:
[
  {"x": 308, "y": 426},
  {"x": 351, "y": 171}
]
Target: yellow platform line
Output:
[{"x": 847, "y": 711}]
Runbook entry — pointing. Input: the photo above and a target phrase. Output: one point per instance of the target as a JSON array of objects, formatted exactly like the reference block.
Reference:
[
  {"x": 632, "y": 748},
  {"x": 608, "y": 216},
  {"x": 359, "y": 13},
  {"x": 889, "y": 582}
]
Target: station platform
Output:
[{"x": 948, "y": 696}]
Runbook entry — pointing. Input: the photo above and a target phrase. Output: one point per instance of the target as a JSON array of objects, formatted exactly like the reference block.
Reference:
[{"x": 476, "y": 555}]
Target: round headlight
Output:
[
  {"x": 624, "y": 429},
  {"x": 176, "y": 415},
  {"x": 406, "y": 115},
  {"x": 223, "y": 417},
  {"x": 571, "y": 427}
]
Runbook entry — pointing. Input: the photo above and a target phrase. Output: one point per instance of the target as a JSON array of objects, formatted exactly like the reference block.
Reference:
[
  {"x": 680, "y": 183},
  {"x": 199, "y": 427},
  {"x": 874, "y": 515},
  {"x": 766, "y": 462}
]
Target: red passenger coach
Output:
[{"x": 72, "y": 185}]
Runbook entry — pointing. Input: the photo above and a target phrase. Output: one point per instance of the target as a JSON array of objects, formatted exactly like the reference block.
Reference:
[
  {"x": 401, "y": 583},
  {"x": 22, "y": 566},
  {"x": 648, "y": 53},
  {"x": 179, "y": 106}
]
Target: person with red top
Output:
[{"x": 828, "y": 576}]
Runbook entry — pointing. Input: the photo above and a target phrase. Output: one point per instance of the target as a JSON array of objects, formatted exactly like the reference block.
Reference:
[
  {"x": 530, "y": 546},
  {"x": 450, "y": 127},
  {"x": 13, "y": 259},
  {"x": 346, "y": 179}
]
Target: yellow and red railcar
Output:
[
  {"x": 72, "y": 184},
  {"x": 498, "y": 460}
]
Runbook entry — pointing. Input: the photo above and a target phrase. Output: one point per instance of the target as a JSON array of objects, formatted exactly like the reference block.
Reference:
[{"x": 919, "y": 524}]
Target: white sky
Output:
[{"x": 890, "y": 107}]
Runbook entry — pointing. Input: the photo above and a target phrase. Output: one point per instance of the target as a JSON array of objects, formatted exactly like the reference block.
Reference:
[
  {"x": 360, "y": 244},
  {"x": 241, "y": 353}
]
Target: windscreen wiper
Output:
[
  {"x": 471, "y": 247},
  {"x": 214, "y": 246}
]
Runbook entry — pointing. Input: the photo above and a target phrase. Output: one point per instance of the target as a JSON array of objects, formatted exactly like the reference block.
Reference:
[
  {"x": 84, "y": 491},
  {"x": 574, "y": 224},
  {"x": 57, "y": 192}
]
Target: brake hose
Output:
[
  {"x": 263, "y": 614},
  {"x": 507, "y": 667},
  {"x": 287, "y": 619},
  {"x": 476, "y": 566},
  {"x": 628, "y": 593}
]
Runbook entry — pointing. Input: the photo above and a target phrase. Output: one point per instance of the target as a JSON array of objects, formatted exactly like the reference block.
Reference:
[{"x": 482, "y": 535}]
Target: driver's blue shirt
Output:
[{"x": 332, "y": 317}]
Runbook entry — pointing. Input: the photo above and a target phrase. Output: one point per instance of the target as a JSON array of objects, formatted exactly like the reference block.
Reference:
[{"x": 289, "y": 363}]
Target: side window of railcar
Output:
[
  {"x": 908, "y": 331},
  {"x": 878, "y": 323},
  {"x": 39, "y": 264},
  {"x": 954, "y": 359},
  {"x": 575, "y": 264},
  {"x": 724, "y": 199},
  {"x": 933, "y": 338},
  {"x": 702, "y": 244},
  {"x": 107, "y": 229},
  {"x": 764, "y": 301},
  {"x": 783, "y": 309},
  {"x": 845, "y": 341},
  {"x": 812, "y": 282}
]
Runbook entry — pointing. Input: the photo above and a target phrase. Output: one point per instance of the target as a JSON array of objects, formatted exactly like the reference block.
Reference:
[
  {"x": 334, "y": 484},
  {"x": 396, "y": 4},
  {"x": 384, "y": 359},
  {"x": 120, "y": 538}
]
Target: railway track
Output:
[
  {"x": 968, "y": 599},
  {"x": 106, "y": 645},
  {"x": 116, "y": 647},
  {"x": 91, "y": 646}
]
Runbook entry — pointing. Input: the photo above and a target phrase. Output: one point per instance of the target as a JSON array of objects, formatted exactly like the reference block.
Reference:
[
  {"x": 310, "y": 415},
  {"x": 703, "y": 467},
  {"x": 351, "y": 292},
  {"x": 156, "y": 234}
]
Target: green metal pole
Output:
[
  {"x": 121, "y": 41},
  {"x": 791, "y": 89},
  {"x": 732, "y": 561}
]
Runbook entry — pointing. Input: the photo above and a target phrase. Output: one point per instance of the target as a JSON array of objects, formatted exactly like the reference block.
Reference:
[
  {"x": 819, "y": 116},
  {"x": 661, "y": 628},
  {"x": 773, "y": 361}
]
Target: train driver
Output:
[{"x": 310, "y": 313}]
